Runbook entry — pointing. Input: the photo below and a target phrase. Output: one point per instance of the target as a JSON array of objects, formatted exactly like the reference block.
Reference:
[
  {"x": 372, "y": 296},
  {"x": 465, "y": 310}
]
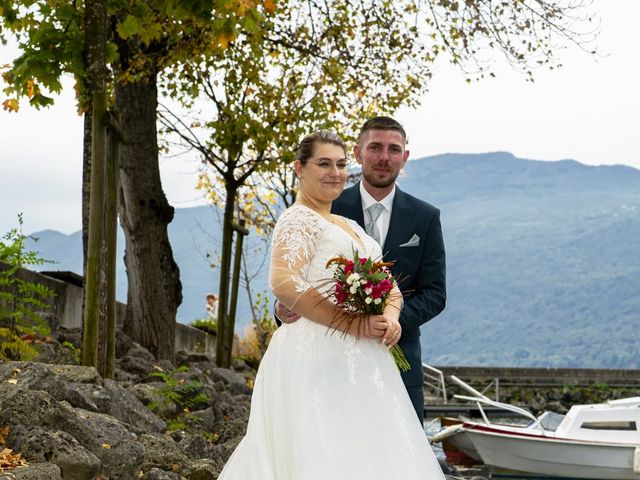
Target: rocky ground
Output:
[
  {"x": 156, "y": 421},
  {"x": 68, "y": 422}
]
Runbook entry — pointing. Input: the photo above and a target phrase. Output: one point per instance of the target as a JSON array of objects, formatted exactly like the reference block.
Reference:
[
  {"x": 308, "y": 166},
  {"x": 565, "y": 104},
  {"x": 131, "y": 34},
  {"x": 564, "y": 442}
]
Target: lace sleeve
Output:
[{"x": 294, "y": 242}]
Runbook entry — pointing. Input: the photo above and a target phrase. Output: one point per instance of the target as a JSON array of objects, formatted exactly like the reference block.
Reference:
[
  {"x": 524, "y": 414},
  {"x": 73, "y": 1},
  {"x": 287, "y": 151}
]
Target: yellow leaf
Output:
[
  {"x": 12, "y": 381},
  {"x": 106, "y": 445},
  {"x": 11, "y": 105},
  {"x": 225, "y": 39},
  {"x": 30, "y": 88}
]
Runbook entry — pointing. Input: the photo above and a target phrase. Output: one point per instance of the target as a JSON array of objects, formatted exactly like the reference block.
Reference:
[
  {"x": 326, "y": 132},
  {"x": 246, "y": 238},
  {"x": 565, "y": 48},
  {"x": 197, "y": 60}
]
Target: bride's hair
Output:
[{"x": 305, "y": 149}]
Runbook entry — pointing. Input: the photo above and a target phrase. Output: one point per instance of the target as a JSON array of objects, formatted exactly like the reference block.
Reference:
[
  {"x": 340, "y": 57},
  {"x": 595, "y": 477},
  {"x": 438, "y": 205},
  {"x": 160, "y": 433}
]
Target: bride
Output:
[{"x": 328, "y": 401}]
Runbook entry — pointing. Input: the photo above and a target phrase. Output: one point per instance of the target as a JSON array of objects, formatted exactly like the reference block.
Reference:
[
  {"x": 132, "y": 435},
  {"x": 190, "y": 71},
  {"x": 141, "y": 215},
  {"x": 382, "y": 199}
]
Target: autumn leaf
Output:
[
  {"x": 11, "y": 105},
  {"x": 30, "y": 88},
  {"x": 8, "y": 459},
  {"x": 269, "y": 6},
  {"x": 4, "y": 433}
]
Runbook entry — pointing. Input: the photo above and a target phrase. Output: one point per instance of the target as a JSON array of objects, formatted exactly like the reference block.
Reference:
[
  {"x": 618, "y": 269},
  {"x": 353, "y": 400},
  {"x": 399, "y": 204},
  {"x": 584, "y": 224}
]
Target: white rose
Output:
[
  {"x": 368, "y": 300},
  {"x": 377, "y": 301},
  {"x": 353, "y": 289},
  {"x": 368, "y": 290}
]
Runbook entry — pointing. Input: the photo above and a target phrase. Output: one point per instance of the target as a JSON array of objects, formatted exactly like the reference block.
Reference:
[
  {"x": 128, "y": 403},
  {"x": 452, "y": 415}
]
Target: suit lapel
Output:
[{"x": 398, "y": 225}]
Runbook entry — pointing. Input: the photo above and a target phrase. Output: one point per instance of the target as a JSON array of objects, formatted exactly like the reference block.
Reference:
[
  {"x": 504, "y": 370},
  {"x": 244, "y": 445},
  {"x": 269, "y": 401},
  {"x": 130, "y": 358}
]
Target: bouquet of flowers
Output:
[{"x": 362, "y": 286}]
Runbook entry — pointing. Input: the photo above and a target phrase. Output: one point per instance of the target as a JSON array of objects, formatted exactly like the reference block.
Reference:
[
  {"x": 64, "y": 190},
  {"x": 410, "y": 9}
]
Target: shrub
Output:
[{"x": 21, "y": 328}]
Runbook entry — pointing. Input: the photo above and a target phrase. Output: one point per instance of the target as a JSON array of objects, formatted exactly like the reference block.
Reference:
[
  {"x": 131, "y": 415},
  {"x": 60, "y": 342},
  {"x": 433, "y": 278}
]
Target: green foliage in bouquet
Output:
[{"x": 21, "y": 327}]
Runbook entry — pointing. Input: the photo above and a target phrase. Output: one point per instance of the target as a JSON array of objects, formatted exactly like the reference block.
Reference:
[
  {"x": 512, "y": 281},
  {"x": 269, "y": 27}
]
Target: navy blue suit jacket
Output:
[{"x": 420, "y": 268}]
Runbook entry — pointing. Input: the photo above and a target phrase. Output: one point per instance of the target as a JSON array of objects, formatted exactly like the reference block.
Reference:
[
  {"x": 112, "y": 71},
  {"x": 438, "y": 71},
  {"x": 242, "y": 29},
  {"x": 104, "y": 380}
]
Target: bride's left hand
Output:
[{"x": 392, "y": 334}]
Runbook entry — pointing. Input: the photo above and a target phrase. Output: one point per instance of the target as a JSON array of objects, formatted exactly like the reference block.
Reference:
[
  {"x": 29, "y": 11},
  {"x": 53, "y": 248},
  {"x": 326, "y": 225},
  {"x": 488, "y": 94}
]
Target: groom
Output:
[{"x": 410, "y": 234}]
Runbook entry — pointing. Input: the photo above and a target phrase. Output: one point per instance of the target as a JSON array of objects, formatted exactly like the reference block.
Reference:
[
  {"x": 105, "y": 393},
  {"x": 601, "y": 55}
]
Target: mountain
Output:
[{"x": 543, "y": 262}]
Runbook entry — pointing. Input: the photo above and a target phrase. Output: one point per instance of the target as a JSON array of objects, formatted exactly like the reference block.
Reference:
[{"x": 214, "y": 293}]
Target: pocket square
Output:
[{"x": 413, "y": 242}]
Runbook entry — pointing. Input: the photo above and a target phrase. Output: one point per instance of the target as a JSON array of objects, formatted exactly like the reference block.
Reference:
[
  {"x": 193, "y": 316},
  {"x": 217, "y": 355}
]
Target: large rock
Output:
[
  {"x": 203, "y": 469},
  {"x": 162, "y": 452},
  {"x": 204, "y": 420},
  {"x": 196, "y": 447},
  {"x": 35, "y": 471},
  {"x": 158, "y": 474},
  {"x": 235, "y": 383},
  {"x": 121, "y": 454},
  {"x": 149, "y": 393},
  {"x": 57, "y": 447},
  {"x": 80, "y": 386},
  {"x": 124, "y": 461},
  {"x": 43, "y": 376},
  {"x": 127, "y": 408},
  {"x": 36, "y": 408}
]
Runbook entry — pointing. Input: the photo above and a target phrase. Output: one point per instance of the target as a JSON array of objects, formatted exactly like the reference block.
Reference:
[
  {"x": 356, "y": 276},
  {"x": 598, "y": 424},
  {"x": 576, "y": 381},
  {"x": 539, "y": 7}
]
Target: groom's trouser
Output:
[
  {"x": 414, "y": 378},
  {"x": 417, "y": 399}
]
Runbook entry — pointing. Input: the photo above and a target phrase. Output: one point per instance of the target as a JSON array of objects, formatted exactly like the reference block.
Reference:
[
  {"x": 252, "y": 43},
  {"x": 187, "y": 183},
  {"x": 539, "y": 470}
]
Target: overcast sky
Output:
[{"x": 588, "y": 111}]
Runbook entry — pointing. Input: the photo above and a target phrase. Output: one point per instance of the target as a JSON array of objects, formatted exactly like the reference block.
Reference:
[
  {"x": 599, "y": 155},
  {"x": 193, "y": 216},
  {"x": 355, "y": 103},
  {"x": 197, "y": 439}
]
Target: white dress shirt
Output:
[{"x": 385, "y": 216}]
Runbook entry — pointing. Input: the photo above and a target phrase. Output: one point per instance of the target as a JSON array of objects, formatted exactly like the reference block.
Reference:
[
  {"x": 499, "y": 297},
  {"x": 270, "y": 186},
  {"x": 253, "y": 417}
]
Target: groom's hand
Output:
[{"x": 285, "y": 315}]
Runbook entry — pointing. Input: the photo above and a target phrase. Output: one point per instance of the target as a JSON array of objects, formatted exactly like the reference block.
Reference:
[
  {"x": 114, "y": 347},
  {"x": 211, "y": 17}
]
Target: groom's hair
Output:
[
  {"x": 305, "y": 149},
  {"x": 381, "y": 123}
]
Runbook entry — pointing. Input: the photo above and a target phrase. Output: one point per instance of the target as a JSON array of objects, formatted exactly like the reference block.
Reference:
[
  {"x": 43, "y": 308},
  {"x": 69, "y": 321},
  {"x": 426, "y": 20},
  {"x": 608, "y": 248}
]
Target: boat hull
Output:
[{"x": 552, "y": 456}]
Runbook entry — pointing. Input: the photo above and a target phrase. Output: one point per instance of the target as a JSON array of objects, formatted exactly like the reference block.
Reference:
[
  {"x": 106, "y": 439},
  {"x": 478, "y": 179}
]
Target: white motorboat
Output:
[{"x": 599, "y": 441}]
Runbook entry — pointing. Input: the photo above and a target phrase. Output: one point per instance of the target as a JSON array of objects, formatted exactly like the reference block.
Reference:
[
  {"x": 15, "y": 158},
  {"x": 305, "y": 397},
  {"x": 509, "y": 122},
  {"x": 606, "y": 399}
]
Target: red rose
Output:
[
  {"x": 385, "y": 285},
  {"x": 348, "y": 268},
  {"x": 376, "y": 292},
  {"x": 341, "y": 293},
  {"x": 363, "y": 261}
]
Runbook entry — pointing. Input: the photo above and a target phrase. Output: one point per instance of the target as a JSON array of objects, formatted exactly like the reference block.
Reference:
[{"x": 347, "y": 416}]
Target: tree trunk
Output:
[
  {"x": 223, "y": 346},
  {"x": 96, "y": 47},
  {"x": 86, "y": 188},
  {"x": 111, "y": 234},
  {"x": 155, "y": 291}
]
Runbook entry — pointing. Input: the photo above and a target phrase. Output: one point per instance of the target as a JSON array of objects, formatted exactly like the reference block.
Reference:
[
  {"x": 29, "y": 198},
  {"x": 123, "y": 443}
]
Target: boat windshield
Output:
[{"x": 550, "y": 421}]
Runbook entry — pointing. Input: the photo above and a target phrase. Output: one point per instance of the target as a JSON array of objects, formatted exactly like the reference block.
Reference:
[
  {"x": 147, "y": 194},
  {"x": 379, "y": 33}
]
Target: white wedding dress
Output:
[{"x": 326, "y": 406}]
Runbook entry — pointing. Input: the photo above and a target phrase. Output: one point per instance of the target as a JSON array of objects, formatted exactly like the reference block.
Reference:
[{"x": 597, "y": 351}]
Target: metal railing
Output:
[{"x": 434, "y": 379}]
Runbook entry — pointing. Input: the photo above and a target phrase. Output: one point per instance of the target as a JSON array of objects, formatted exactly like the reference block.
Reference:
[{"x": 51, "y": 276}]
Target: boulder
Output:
[
  {"x": 162, "y": 452},
  {"x": 128, "y": 409},
  {"x": 158, "y": 474},
  {"x": 202, "y": 469},
  {"x": 124, "y": 461},
  {"x": 36, "y": 408},
  {"x": 35, "y": 471},
  {"x": 204, "y": 420},
  {"x": 196, "y": 447},
  {"x": 57, "y": 447},
  {"x": 149, "y": 393},
  {"x": 234, "y": 382}
]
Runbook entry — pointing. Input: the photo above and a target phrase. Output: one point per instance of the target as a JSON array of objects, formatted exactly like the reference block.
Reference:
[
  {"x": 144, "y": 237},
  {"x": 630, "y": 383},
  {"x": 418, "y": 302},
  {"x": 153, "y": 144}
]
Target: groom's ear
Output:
[
  {"x": 356, "y": 153},
  {"x": 406, "y": 157}
]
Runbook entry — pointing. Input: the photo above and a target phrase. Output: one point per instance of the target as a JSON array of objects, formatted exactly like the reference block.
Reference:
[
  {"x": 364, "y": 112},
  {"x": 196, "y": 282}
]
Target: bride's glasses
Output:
[{"x": 325, "y": 164}]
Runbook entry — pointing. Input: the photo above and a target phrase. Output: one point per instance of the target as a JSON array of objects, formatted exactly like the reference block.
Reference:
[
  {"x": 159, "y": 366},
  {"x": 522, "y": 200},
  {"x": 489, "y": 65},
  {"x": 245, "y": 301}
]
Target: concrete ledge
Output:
[
  {"x": 545, "y": 376},
  {"x": 65, "y": 309},
  {"x": 191, "y": 339}
]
